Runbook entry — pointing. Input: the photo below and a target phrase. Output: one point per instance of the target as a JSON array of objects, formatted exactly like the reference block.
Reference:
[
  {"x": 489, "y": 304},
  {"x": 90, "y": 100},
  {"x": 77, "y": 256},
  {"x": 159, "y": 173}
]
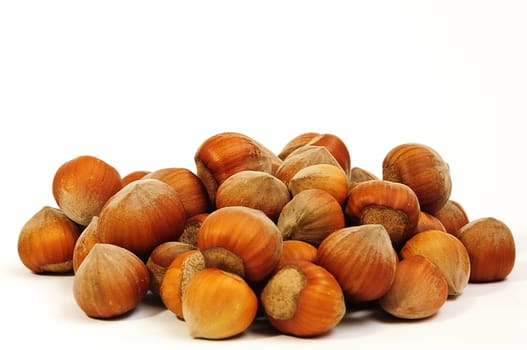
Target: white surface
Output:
[{"x": 141, "y": 85}]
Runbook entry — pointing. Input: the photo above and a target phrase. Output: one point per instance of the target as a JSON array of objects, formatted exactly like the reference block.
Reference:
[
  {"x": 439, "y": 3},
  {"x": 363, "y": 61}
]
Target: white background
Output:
[{"x": 142, "y": 84}]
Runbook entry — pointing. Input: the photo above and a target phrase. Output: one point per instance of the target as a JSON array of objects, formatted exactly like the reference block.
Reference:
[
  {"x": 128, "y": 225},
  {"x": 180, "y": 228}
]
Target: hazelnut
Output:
[
  {"x": 296, "y": 142},
  {"x": 254, "y": 189},
  {"x": 82, "y": 186},
  {"x": 428, "y": 222},
  {"x": 225, "y": 154},
  {"x": 358, "y": 174},
  {"x": 446, "y": 252},
  {"x": 302, "y": 157},
  {"x": 87, "y": 239},
  {"x": 336, "y": 146},
  {"x": 491, "y": 249},
  {"x": 217, "y": 304},
  {"x": 362, "y": 259},
  {"x": 142, "y": 215},
  {"x": 303, "y": 299},
  {"x": 294, "y": 249},
  {"x": 327, "y": 177},
  {"x": 132, "y": 176},
  {"x": 161, "y": 258},
  {"x": 419, "y": 289},
  {"x": 453, "y": 216},
  {"x": 189, "y": 187},
  {"x": 391, "y": 204},
  {"x": 310, "y": 216},
  {"x": 240, "y": 240},
  {"x": 423, "y": 170},
  {"x": 46, "y": 241},
  {"x": 191, "y": 229},
  {"x": 111, "y": 281},
  {"x": 176, "y": 278}
]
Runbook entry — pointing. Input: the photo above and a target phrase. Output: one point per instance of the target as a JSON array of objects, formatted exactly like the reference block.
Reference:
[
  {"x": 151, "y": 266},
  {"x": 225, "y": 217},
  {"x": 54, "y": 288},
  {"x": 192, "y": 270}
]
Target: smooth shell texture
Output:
[
  {"x": 391, "y": 204},
  {"x": 419, "y": 289},
  {"x": 423, "y": 170},
  {"x": 296, "y": 142},
  {"x": 46, "y": 241},
  {"x": 303, "y": 299},
  {"x": 87, "y": 239},
  {"x": 293, "y": 249},
  {"x": 161, "y": 258},
  {"x": 453, "y": 216},
  {"x": 218, "y": 304},
  {"x": 176, "y": 278},
  {"x": 337, "y": 147},
  {"x": 244, "y": 234},
  {"x": 445, "y": 251},
  {"x": 82, "y": 186},
  {"x": 491, "y": 248},
  {"x": 225, "y": 154},
  {"x": 327, "y": 177},
  {"x": 302, "y": 157},
  {"x": 190, "y": 188}
]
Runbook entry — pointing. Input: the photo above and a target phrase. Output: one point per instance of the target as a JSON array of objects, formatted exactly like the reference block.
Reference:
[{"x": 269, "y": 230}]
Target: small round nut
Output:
[{"x": 491, "y": 248}]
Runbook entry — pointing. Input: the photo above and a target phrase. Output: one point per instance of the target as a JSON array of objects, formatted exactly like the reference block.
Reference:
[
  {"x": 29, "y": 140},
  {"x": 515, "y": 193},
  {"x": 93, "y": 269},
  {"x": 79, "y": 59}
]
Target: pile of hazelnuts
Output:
[{"x": 296, "y": 238}]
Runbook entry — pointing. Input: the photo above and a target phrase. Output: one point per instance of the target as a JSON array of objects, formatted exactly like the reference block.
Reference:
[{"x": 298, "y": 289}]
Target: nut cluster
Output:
[{"x": 296, "y": 238}]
